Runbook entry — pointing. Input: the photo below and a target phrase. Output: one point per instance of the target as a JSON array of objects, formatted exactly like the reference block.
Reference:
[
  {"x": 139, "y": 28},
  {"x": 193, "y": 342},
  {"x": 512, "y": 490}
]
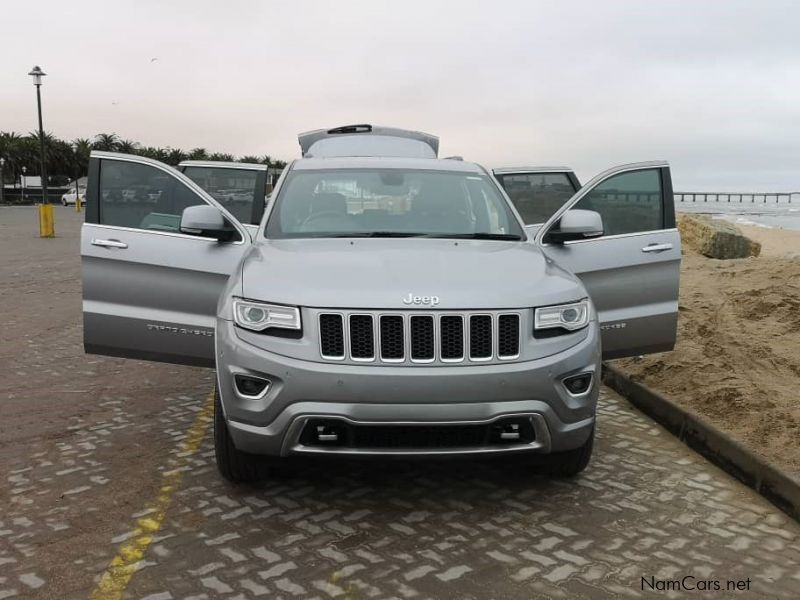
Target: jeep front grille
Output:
[{"x": 443, "y": 336}]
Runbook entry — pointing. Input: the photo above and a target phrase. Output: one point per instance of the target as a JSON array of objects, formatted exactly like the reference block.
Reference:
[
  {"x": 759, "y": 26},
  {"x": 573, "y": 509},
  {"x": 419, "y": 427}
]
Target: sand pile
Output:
[
  {"x": 715, "y": 238},
  {"x": 737, "y": 360}
]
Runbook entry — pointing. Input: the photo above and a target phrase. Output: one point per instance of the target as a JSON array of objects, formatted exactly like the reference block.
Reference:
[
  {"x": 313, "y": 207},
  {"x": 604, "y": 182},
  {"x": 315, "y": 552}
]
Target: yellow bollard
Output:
[
  {"x": 77, "y": 204},
  {"x": 47, "y": 228}
]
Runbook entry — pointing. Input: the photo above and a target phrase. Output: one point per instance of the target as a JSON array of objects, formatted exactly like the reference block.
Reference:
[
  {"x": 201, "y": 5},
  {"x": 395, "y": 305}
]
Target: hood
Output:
[{"x": 381, "y": 273}]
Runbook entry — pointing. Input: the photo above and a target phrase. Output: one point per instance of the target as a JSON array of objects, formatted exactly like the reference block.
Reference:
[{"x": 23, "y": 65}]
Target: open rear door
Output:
[
  {"x": 239, "y": 187},
  {"x": 149, "y": 290},
  {"x": 537, "y": 192},
  {"x": 632, "y": 271}
]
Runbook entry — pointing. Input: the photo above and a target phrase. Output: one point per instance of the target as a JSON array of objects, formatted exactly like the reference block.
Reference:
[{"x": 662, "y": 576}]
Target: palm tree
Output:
[
  {"x": 11, "y": 150},
  {"x": 198, "y": 154},
  {"x": 65, "y": 159},
  {"x": 127, "y": 146},
  {"x": 82, "y": 147},
  {"x": 174, "y": 156},
  {"x": 106, "y": 141},
  {"x": 154, "y": 153}
]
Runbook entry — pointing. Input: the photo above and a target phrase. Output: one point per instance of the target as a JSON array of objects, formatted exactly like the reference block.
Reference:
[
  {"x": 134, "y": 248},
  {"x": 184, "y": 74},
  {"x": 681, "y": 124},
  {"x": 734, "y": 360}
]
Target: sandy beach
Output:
[{"x": 737, "y": 360}]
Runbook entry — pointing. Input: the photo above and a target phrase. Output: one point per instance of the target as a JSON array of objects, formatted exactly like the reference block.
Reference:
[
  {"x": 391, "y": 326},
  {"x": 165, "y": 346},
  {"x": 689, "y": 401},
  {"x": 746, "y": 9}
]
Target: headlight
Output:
[
  {"x": 259, "y": 316},
  {"x": 566, "y": 316}
]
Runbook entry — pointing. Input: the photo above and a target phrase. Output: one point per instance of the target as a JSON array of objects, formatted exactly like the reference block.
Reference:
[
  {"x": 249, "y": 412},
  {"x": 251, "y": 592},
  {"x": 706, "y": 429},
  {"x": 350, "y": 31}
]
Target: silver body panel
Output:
[
  {"x": 390, "y": 394},
  {"x": 221, "y": 164},
  {"x": 378, "y": 273},
  {"x": 523, "y": 170},
  {"x": 167, "y": 296},
  {"x": 635, "y": 291}
]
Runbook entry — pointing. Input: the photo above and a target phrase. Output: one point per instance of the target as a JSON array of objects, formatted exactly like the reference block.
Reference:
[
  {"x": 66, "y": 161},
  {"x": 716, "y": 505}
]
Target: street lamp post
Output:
[
  {"x": 46, "y": 226},
  {"x": 77, "y": 176},
  {"x": 2, "y": 180}
]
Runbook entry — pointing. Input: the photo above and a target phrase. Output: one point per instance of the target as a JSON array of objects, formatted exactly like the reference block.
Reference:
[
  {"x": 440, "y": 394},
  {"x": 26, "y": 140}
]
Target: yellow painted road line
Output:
[{"x": 118, "y": 574}]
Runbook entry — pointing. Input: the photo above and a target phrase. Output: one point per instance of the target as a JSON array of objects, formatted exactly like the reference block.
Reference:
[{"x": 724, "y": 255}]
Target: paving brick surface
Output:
[{"x": 646, "y": 507}]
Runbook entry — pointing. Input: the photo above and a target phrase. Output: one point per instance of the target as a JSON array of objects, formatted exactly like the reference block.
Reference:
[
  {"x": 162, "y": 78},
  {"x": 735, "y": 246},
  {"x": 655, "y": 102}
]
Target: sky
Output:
[{"x": 711, "y": 86}]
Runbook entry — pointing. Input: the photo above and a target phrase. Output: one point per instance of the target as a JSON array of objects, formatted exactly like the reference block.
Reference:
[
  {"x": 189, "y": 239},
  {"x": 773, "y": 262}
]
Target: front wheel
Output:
[
  {"x": 569, "y": 463},
  {"x": 63, "y": 202},
  {"x": 234, "y": 465}
]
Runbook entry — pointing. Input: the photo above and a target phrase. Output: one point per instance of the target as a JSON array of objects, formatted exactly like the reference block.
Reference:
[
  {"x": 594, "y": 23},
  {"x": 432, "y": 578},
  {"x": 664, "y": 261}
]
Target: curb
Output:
[{"x": 704, "y": 438}]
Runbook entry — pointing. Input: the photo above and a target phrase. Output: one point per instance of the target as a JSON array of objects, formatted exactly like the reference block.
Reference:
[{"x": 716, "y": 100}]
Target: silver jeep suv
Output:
[{"x": 390, "y": 303}]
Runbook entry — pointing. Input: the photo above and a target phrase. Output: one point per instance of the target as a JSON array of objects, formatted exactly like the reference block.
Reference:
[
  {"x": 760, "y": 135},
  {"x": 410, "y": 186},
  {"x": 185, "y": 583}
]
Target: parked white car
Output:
[{"x": 69, "y": 197}]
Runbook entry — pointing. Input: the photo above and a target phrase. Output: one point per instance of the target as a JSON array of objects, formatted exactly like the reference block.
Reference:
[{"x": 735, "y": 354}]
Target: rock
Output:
[{"x": 715, "y": 238}]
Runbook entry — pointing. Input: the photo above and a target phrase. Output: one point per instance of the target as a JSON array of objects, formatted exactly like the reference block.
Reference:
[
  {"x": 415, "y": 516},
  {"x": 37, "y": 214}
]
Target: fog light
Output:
[
  {"x": 250, "y": 387},
  {"x": 578, "y": 384},
  {"x": 512, "y": 430},
  {"x": 324, "y": 433}
]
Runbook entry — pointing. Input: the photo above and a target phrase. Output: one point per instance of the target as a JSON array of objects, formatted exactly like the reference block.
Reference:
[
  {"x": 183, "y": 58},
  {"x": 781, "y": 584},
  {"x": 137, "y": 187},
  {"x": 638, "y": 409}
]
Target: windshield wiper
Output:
[
  {"x": 478, "y": 236},
  {"x": 409, "y": 234},
  {"x": 376, "y": 234}
]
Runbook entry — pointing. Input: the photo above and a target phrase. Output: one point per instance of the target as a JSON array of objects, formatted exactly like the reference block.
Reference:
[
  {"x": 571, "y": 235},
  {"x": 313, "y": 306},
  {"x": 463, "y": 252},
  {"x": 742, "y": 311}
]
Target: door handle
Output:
[
  {"x": 657, "y": 247},
  {"x": 109, "y": 244}
]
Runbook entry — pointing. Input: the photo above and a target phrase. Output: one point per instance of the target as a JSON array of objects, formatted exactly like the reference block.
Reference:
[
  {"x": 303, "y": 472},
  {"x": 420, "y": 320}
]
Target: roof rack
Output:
[{"x": 351, "y": 129}]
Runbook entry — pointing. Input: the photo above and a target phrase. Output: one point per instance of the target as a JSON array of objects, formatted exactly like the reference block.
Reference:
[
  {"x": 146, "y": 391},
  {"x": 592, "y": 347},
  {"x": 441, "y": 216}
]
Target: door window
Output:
[
  {"x": 235, "y": 189},
  {"x": 142, "y": 197},
  {"x": 537, "y": 196},
  {"x": 629, "y": 202}
]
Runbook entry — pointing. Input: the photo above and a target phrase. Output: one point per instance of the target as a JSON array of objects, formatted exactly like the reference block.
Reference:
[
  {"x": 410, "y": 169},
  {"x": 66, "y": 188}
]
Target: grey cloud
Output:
[{"x": 710, "y": 86}]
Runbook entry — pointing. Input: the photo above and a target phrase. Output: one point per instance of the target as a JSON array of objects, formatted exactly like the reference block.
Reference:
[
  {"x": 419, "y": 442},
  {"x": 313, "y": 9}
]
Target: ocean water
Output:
[{"x": 771, "y": 214}]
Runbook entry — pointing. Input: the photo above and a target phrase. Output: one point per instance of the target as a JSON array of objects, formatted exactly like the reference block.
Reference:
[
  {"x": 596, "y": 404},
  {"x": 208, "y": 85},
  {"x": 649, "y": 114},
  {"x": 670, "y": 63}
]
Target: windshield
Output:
[{"x": 391, "y": 203}]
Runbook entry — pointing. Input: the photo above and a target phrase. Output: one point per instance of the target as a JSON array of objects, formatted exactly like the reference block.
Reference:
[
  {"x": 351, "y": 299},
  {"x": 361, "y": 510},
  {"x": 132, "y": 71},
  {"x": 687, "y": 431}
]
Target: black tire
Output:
[
  {"x": 234, "y": 465},
  {"x": 569, "y": 463},
  {"x": 63, "y": 202}
]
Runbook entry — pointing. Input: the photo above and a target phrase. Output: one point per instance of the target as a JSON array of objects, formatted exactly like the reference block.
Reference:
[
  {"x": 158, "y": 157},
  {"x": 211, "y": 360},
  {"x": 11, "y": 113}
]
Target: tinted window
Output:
[
  {"x": 235, "y": 189},
  {"x": 405, "y": 202},
  {"x": 142, "y": 197},
  {"x": 628, "y": 202},
  {"x": 537, "y": 196}
]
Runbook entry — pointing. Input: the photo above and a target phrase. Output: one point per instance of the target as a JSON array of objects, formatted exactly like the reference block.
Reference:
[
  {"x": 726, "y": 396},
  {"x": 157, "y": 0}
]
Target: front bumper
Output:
[{"x": 301, "y": 390}]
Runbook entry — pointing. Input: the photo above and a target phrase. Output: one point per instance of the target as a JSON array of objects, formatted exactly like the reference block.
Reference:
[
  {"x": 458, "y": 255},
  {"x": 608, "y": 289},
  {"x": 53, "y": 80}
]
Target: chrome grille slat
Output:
[
  {"x": 422, "y": 335},
  {"x": 412, "y": 337},
  {"x": 392, "y": 336},
  {"x": 508, "y": 336},
  {"x": 481, "y": 337},
  {"x": 361, "y": 328},
  {"x": 452, "y": 338},
  {"x": 331, "y": 338}
]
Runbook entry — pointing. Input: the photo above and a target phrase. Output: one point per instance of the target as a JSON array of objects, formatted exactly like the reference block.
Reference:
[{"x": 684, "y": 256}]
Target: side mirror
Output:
[
  {"x": 206, "y": 221},
  {"x": 576, "y": 224}
]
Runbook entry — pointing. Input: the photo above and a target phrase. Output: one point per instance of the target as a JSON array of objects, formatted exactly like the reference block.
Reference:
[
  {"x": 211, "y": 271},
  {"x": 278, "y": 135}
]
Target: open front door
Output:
[
  {"x": 632, "y": 270},
  {"x": 149, "y": 290}
]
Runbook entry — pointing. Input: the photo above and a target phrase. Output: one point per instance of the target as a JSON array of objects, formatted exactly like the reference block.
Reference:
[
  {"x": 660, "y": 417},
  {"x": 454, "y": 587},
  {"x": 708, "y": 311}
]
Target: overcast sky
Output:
[{"x": 713, "y": 87}]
